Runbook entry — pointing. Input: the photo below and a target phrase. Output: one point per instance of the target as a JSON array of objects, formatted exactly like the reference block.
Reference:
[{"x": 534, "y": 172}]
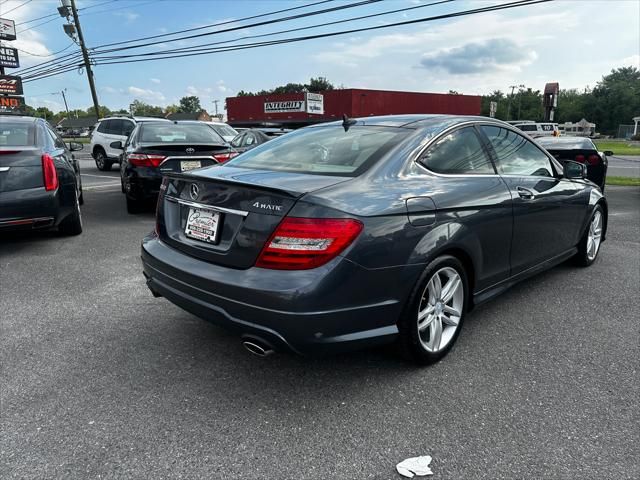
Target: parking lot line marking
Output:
[
  {"x": 104, "y": 185},
  {"x": 97, "y": 176}
]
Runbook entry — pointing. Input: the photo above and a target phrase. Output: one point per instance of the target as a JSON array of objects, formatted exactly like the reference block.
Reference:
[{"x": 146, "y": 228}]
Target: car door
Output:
[
  {"x": 114, "y": 133},
  {"x": 471, "y": 200},
  {"x": 546, "y": 207},
  {"x": 68, "y": 172}
]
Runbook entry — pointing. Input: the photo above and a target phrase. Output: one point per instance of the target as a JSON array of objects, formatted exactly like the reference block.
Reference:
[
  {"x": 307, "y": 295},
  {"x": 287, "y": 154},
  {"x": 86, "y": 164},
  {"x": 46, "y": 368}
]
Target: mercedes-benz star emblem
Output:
[
  {"x": 190, "y": 150},
  {"x": 193, "y": 191}
]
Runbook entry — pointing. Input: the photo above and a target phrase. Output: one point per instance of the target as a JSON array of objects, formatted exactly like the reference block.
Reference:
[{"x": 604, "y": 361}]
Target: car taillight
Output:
[
  {"x": 304, "y": 243},
  {"x": 224, "y": 157},
  {"x": 143, "y": 160},
  {"x": 580, "y": 158},
  {"x": 49, "y": 172},
  {"x": 593, "y": 159}
]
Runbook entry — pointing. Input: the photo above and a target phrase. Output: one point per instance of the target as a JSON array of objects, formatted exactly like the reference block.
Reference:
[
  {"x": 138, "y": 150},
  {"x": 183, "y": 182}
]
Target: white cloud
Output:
[
  {"x": 110, "y": 90},
  {"x": 146, "y": 94},
  {"x": 632, "y": 61},
  {"x": 155, "y": 80},
  {"x": 191, "y": 90}
]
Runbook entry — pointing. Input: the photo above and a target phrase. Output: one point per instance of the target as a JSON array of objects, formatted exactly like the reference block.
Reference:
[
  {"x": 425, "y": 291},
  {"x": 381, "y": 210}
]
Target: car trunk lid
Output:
[
  {"x": 248, "y": 205},
  {"x": 183, "y": 157},
  {"x": 20, "y": 168}
]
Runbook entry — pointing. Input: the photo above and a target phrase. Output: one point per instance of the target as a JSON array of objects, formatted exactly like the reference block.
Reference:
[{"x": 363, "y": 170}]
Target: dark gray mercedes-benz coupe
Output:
[{"x": 368, "y": 231}]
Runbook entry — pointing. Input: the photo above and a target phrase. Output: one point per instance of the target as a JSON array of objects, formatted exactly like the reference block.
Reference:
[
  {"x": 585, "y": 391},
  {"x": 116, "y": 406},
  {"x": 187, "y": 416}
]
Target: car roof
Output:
[
  {"x": 419, "y": 121},
  {"x": 21, "y": 118}
]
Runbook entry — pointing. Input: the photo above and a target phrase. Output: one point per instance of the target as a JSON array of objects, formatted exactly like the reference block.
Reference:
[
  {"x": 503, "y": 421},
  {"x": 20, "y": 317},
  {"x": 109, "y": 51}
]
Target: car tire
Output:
[
  {"x": 72, "y": 225},
  {"x": 434, "y": 312},
  {"x": 589, "y": 245},
  {"x": 134, "y": 206},
  {"x": 102, "y": 161}
]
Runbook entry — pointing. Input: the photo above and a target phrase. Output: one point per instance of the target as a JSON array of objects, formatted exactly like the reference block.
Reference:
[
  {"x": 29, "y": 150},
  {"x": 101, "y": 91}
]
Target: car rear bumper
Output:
[
  {"x": 33, "y": 208},
  {"x": 336, "y": 307}
]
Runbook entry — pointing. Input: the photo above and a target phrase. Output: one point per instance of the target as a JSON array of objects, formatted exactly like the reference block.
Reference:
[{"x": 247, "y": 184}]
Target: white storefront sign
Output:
[{"x": 315, "y": 103}]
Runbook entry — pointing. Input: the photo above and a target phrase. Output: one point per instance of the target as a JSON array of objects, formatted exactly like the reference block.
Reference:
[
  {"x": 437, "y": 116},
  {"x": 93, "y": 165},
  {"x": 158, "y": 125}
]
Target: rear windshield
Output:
[
  {"x": 567, "y": 144},
  {"x": 225, "y": 130},
  {"x": 324, "y": 150},
  {"x": 178, "y": 133},
  {"x": 17, "y": 134}
]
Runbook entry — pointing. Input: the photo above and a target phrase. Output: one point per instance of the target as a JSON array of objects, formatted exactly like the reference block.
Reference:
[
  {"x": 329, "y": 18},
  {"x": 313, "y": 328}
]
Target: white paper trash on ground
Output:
[{"x": 415, "y": 466}]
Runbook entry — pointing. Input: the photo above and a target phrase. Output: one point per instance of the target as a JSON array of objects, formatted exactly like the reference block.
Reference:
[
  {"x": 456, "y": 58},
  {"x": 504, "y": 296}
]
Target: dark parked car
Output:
[
  {"x": 581, "y": 150},
  {"x": 156, "y": 148},
  {"x": 40, "y": 185},
  {"x": 363, "y": 232},
  {"x": 253, "y": 137}
]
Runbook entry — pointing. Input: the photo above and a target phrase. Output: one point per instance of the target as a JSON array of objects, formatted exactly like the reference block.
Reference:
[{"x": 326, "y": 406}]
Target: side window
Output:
[
  {"x": 102, "y": 128},
  {"x": 50, "y": 137},
  {"x": 128, "y": 127},
  {"x": 517, "y": 155},
  {"x": 116, "y": 127},
  {"x": 57, "y": 140},
  {"x": 249, "y": 139},
  {"x": 459, "y": 152},
  {"x": 530, "y": 127}
]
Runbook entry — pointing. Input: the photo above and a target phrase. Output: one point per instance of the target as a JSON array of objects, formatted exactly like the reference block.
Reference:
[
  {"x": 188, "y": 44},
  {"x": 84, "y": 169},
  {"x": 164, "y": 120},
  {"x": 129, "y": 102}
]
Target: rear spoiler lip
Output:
[{"x": 185, "y": 176}]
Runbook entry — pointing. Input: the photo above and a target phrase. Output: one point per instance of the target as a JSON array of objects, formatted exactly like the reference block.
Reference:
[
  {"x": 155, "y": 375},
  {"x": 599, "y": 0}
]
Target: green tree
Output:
[
  {"x": 320, "y": 84},
  {"x": 43, "y": 112},
  {"x": 315, "y": 85},
  {"x": 571, "y": 105},
  {"x": 171, "y": 109},
  {"x": 190, "y": 104},
  {"x": 498, "y": 97},
  {"x": 141, "y": 108},
  {"x": 614, "y": 100},
  {"x": 104, "y": 111}
]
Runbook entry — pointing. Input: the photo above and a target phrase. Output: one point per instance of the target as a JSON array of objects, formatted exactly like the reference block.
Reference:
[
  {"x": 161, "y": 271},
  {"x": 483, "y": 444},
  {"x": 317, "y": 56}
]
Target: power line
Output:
[
  {"x": 257, "y": 24},
  {"x": 498, "y": 7},
  {"x": 48, "y": 55},
  {"x": 16, "y": 8},
  {"x": 196, "y": 48},
  {"x": 504, "y": 6},
  {"x": 215, "y": 24}
]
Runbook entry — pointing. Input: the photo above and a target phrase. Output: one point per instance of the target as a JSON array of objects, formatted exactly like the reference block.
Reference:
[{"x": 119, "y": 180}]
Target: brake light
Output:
[
  {"x": 593, "y": 159},
  {"x": 304, "y": 243},
  {"x": 224, "y": 157},
  {"x": 580, "y": 158},
  {"x": 49, "y": 173},
  {"x": 143, "y": 160}
]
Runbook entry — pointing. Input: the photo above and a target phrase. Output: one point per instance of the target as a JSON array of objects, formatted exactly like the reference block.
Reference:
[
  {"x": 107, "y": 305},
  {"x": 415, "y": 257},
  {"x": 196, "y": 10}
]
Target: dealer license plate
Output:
[
  {"x": 189, "y": 165},
  {"x": 202, "y": 225}
]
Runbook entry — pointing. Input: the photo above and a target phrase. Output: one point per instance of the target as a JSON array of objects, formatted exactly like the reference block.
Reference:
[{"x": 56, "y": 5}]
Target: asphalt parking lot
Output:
[
  {"x": 624, "y": 166},
  {"x": 101, "y": 380}
]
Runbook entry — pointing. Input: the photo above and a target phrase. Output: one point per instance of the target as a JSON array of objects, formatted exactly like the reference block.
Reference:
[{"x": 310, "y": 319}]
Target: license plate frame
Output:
[
  {"x": 203, "y": 225},
  {"x": 186, "y": 165}
]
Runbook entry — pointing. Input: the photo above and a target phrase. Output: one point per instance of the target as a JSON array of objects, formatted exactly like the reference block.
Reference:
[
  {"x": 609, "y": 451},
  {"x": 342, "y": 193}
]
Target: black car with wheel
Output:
[
  {"x": 40, "y": 184},
  {"x": 251, "y": 138},
  {"x": 155, "y": 149},
  {"x": 368, "y": 231}
]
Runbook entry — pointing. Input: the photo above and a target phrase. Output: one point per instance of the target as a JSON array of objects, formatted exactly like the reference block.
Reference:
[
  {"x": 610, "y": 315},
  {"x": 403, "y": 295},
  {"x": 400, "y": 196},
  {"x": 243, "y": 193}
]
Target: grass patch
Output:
[
  {"x": 624, "y": 181},
  {"x": 618, "y": 148}
]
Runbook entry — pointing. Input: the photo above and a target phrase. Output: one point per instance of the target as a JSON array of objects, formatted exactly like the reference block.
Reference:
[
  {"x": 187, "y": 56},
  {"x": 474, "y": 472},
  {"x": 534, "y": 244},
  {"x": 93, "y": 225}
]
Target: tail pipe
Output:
[{"x": 257, "y": 347}]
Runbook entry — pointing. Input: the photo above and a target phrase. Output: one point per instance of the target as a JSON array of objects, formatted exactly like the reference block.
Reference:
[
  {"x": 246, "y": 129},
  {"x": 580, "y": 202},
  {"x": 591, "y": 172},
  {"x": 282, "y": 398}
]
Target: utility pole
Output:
[
  {"x": 85, "y": 55},
  {"x": 215, "y": 102},
  {"x": 512, "y": 87},
  {"x": 520, "y": 100},
  {"x": 66, "y": 107}
]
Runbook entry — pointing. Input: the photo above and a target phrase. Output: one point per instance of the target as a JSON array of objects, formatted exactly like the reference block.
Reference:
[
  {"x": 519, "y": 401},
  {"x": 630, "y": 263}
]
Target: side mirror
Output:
[
  {"x": 116, "y": 145},
  {"x": 608, "y": 153},
  {"x": 574, "y": 169},
  {"x": 75, "y": 146}
]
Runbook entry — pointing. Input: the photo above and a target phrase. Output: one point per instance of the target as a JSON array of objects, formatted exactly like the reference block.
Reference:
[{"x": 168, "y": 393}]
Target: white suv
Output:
[
  {"x": 539, "y": 129},
  {"x": 113, "y": 129}
]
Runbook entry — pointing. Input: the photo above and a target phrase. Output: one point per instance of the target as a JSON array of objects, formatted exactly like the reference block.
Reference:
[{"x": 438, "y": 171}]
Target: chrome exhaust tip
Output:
[{"x": 257, "y": 348}]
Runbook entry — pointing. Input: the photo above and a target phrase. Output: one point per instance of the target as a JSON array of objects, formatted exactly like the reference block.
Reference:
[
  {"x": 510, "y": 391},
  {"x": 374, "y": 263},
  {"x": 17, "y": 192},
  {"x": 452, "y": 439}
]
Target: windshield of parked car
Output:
[
  {"x": 178, "y": 133},
  {"x": 17, "y": 134},
  {"x": 324, "y": 150}
]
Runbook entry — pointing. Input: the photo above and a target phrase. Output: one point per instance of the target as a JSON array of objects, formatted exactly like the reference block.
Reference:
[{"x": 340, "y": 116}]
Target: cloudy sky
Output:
[{"x": 573, "y": 42}]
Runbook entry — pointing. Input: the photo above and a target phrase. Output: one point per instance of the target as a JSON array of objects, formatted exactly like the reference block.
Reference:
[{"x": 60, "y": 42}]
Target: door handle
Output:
[{"x": 525, "y": 193}]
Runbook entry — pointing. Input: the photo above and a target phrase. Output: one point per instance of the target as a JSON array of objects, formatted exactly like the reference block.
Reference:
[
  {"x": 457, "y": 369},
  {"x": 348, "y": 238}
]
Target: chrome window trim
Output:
[
  {"x": 204, "y": 206},
  {"x": 4, "y": 169}
]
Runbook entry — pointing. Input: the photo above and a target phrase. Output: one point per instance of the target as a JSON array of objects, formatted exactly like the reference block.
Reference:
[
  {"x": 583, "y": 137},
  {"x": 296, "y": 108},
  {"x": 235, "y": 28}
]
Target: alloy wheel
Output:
[
  {"x": 440, "y": 309},
  {"x": 594, "y": 236}
]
